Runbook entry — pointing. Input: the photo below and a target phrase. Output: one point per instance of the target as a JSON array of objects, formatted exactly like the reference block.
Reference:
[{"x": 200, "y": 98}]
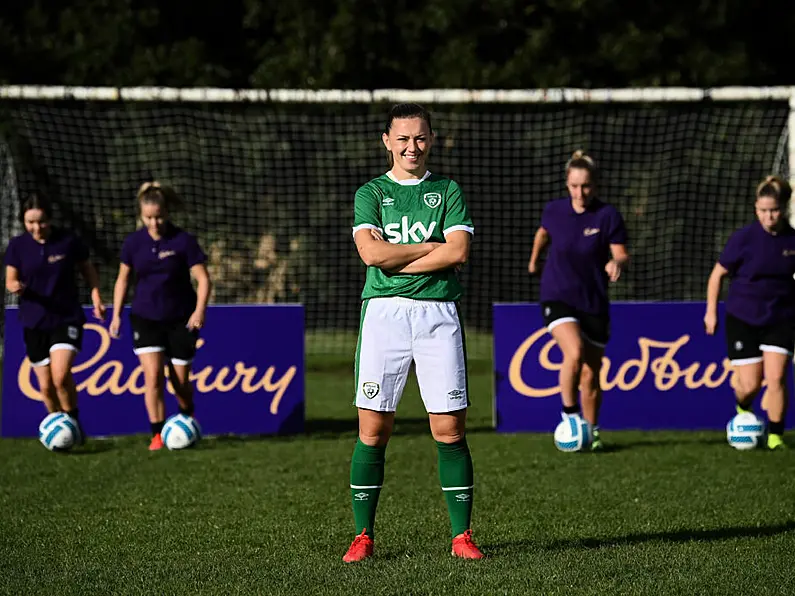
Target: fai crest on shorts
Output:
[
  {"x": 432, "y": 199},
  {"x": 370, "y": 389}
]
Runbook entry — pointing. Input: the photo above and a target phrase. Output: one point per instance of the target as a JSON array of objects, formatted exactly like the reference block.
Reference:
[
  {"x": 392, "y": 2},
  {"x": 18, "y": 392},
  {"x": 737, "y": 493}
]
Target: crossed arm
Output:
[{"x": 425, "y": 257}]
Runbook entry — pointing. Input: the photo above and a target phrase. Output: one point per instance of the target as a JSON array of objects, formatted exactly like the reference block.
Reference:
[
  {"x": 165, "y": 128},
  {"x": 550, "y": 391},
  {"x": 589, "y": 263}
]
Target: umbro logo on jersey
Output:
[
  {"x": 432, "y": 199},
  {"x": 387, "y": 202},
  {"x": 590, "y": 231}
]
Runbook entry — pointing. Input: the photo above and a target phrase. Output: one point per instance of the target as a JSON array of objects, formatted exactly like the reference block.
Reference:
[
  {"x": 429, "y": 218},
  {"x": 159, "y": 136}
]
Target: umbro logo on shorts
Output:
[
  {"x": 72, "y": 332},
  {"x": 738, "y": 345},
  {"x": 456, "y": 393},
  {"x": 370, "y": 389}
]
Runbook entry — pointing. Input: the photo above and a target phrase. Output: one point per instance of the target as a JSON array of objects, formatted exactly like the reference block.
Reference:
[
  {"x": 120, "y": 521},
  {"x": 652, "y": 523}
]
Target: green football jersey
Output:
[{"x": 411, "y": 212}]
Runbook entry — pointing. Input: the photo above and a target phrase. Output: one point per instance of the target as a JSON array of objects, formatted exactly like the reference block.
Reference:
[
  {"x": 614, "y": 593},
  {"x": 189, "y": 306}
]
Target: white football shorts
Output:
[{"x": 394, "y": 332}]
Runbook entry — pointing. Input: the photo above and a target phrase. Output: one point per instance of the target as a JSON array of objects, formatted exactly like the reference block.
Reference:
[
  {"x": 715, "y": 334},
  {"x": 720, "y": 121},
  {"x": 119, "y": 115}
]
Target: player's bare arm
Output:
[
  {"x": 378, "y": 253},
  {"x": 453, "y": 253},
  {"x": 119, "y": 294},
  {"x": 619, "y": 261},
  {"x": 540, "y": 242},
  {"x": 713, "y": 292},
  {"x": 89, "y": 273},
  {"x": 203, "y": 289},
  {"x": 13, "y": 285}
]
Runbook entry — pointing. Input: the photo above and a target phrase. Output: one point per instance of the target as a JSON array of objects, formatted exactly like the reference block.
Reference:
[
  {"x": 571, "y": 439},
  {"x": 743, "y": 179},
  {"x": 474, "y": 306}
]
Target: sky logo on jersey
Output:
[
  {"x": 432, "y": 199},
  {"x": 400, "y": 233}
]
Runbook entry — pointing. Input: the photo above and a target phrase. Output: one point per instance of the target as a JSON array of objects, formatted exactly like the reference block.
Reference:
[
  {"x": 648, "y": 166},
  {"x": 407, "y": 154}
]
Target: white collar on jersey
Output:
[{"x": 410, "y": 181}]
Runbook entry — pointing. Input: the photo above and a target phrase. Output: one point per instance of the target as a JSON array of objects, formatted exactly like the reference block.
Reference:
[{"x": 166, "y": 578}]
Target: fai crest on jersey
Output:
[
  {"x": 432, "y": 199},
  {"x": 370, "y": 389}
]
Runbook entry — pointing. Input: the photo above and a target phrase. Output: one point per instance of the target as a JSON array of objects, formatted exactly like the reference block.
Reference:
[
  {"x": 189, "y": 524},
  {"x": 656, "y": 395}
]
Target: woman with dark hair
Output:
[
  {"x": 40, "y": 270},
  {"x": 412, "y": 230}
]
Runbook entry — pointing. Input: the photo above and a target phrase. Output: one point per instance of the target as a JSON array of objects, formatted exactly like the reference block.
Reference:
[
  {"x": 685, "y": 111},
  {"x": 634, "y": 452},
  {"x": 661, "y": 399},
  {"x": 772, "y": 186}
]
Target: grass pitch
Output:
[{"x": 658, "y": 513}]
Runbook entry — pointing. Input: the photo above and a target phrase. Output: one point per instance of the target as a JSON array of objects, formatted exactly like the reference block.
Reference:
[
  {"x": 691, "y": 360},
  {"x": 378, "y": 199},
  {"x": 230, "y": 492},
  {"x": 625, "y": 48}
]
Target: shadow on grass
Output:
[
  {"x": 677, "y": 536},
  {"x": 403, "y": 426},
  {"x": 337, "y": 428},
  {"x": 92, "y": 447},
  {"x": 668, "y": 442}
]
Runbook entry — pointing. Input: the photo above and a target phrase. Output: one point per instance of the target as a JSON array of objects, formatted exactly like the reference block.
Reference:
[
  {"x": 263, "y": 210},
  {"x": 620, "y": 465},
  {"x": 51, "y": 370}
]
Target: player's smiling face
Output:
[
  {"x": 409, "y": 141},
  {"x": 37, "y": 224}
]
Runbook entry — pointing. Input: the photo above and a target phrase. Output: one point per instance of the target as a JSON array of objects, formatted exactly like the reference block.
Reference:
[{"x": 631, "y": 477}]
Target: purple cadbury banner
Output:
[
  {"x": 248, "y": 376},
  {"x": 660, "y": 370}
]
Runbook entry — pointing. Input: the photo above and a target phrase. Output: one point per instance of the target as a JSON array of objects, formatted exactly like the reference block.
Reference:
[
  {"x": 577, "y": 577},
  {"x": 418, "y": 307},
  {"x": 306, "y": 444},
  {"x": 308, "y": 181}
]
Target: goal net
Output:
[{"x": 268, "y": 180}]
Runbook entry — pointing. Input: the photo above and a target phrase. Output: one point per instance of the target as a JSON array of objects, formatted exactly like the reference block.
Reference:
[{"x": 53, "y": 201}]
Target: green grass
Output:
[{"x": 659, "y": 513}]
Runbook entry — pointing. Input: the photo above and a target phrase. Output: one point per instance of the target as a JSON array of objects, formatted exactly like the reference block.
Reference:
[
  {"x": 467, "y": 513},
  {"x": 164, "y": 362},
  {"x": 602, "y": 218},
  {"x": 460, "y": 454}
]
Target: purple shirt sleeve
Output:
[
  {"x": 732, "y": 257},
  {"x": 618, "y": 231},
  {"x": 546, "y": 216},
  {"x": 193, "y": 252},
  {"x": 12, "y": 256}
]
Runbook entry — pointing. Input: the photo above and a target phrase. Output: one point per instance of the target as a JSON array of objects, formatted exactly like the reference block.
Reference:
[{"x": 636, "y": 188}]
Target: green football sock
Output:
[
  {"x": 455, "y": 475},
  {"x": 367, "y": 476}
]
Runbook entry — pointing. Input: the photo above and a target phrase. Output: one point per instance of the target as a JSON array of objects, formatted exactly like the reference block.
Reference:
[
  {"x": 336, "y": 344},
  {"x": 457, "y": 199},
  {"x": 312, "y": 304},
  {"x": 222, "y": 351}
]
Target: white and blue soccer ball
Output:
[
  {"x": 745, "y": 431},
  {"x": 59, "y": 432},
  {"x": 574, "y": 433},
  {"x": 180, "y": 431}
]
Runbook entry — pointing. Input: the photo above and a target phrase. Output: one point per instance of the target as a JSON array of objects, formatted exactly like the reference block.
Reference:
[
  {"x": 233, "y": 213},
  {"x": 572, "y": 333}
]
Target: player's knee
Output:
[
  {"x": 573, "y": 354},
  {"x": 60, "y": 381},
  {"x": 375, "y": 430},
  {"x": 776, "y": 380},
  {"x": 589, "y": 379},
  {"x": 448, "y": 436},
  {"x": 747, "y": 388},
  {"x": 374, "y": 438},
  {"x": 153, "y": 382}
]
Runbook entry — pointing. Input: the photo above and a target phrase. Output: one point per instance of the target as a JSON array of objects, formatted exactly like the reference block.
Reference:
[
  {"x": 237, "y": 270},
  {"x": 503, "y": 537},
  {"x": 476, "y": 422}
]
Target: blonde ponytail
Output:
[
  {"x": 155, "y": 193},
  {"x": 579, "y": 160},
  {"x": 776, "y": 188}
]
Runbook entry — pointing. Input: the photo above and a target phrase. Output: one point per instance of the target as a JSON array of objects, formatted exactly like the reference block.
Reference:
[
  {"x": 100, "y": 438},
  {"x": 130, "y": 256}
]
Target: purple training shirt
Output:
[
  {"x": 579, "y": 249},
  {"x": 163, "y": 288},
  {"x": 48, "y": 271},
  {"x": 761, "y": 266}
]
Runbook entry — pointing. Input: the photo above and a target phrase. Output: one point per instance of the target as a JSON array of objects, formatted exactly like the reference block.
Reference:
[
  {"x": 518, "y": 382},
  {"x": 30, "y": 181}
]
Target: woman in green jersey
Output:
[{"x": 412, "y": 230}]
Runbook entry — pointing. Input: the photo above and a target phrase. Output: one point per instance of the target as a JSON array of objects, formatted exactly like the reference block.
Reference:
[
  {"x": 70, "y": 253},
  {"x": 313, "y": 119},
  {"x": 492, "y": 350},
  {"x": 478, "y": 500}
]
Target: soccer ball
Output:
[
  {"x": 745, "y": 430},
  {"x": 574, "y": 433},
  {"x": 59, "y": 432},
  {"x": 181, "y": 431}
]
